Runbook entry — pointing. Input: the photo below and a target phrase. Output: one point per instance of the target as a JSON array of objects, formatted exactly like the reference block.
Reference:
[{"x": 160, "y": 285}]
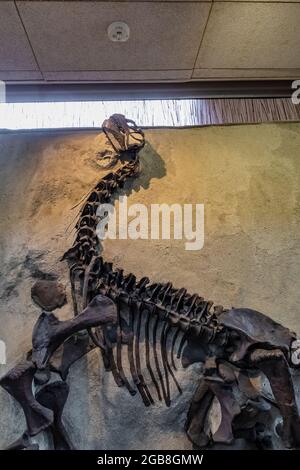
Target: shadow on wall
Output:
[{"x": 152, "y": 166}]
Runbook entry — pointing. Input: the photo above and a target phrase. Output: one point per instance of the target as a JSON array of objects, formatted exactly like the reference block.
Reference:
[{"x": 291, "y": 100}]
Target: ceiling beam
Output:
[{"x": 17, "y": 93}]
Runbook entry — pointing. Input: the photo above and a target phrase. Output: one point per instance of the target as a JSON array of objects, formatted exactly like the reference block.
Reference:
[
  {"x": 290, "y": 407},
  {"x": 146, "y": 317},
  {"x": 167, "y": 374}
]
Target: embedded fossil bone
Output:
[
  {"x": 54, "y": 397},
  {"x": 23, "y": 443},
  {"x": 118, "y": 310},
  {"x": 49, "y": 295},
  {"x": 49, "y": 332},
  {"x": 18, "y": 383}
]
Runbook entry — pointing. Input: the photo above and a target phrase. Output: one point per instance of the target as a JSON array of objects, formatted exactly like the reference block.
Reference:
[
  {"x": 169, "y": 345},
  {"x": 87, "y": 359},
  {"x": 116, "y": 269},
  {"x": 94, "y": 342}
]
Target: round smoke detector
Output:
[{"x": 118, "y": 31}]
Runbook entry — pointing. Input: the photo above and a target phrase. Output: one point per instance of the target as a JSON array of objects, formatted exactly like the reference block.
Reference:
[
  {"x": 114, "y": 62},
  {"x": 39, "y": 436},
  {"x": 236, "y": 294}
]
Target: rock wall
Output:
[{"x": 248, "y": 178}]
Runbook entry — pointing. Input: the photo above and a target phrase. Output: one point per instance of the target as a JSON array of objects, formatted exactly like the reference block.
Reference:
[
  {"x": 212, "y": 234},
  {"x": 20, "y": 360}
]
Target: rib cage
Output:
[{"x": 149, "y": 306}]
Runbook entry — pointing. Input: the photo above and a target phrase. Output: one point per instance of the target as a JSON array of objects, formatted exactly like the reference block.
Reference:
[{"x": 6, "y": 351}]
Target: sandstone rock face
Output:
[{"x": 248, "y": 178}]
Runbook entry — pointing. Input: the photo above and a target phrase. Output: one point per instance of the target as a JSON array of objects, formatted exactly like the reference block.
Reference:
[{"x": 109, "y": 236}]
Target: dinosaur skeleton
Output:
[{"x": 116, "y": 310}]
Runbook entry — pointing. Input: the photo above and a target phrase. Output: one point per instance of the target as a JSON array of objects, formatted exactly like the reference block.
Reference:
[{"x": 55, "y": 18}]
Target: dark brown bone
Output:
[
  {"x": 18, "y": 383},
  {"x": 134, "y": 369},
  {"x": 23, "y": 443},
  {"x": 49, "y": 295},
  {"x": 147, "y": 350},
  {"x": 274, "y": 365},
  {"x": 137, "y": 310},
  {"x": 223, "y": 392},
  {"x": 49, "y": 332},
  {"x": 256, "y": 328},
  {"x": 123, "y": 133},
  {"x": 109, "y": 348},
  {"x": 131, "y": 390},
  {"x": 159, "y": 373},
  {"x": 199, "y": 407},
  {"x": 54, "y": 397},
  {"x": 229, "y": 409},
  {"x": 69, "y": 352}
]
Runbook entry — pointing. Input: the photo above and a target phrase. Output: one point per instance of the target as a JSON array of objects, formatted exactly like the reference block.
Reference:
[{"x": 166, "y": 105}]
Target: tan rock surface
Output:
[{"x": 248, "y": 177}]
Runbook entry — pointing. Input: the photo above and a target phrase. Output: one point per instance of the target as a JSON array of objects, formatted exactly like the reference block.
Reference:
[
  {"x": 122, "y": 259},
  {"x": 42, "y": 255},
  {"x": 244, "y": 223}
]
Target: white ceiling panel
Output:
[
  {"x": 171, "y": 40},
  {"x": 252, "y": 35},
  {"x": 15, "y": 51},
  {"x": 20, "y": 75},
  {"x": 72, "y": 36}
]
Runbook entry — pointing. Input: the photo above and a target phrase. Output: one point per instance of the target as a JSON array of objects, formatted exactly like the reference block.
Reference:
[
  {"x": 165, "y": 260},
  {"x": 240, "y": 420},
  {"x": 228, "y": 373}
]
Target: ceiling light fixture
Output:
[{"x": 118, "y": 31}]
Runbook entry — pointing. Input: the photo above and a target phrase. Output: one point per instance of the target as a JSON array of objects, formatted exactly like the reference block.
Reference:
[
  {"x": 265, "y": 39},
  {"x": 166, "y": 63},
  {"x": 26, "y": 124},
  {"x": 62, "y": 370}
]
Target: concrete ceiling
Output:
[{"x": 55, "y": 41}]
